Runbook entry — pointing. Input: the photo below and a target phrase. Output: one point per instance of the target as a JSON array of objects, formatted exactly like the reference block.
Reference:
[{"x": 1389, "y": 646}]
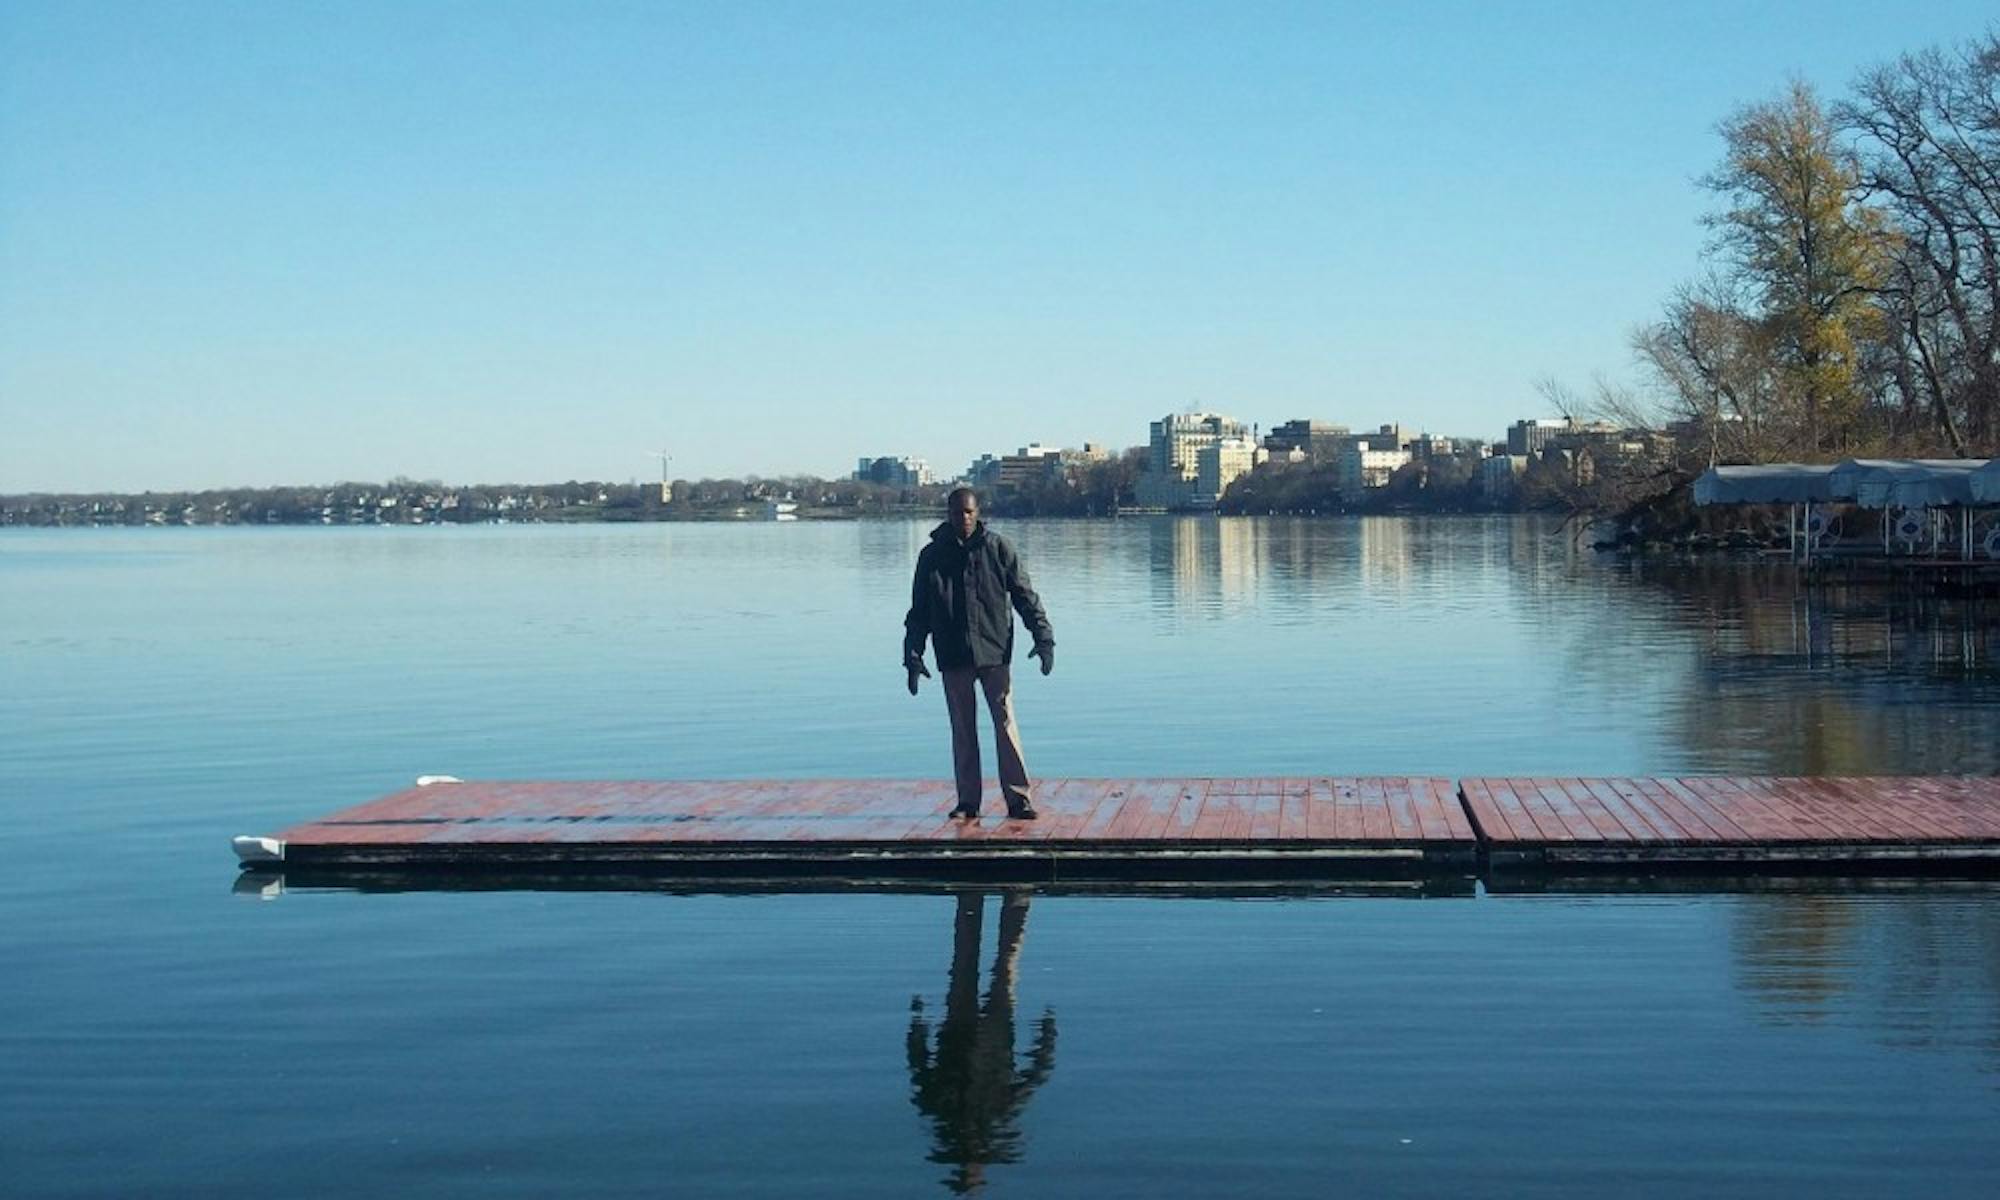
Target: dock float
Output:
[
  {"x": 1168, "y": 829},
  {"x": 1760, "y": 821},
  {"x": 1157, "y": 828}
]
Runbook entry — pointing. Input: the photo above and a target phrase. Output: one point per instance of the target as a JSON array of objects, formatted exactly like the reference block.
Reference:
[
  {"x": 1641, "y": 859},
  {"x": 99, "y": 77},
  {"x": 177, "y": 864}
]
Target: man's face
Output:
[{"x": 964, "y": 515}]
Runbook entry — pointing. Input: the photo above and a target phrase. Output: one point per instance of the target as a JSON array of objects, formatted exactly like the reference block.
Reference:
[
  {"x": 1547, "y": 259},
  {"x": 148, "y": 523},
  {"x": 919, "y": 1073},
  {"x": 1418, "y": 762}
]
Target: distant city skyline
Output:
[{"x": 260, "y": 245}]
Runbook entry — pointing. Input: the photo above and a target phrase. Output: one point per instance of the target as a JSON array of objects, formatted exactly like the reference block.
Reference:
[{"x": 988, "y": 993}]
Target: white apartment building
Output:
[
  {"x": 1173, "y": 470},
  {"x": 1218, "y": 465},
  {"x": 1360, "y": 467},
  {"x": 1179, "y": 437}
]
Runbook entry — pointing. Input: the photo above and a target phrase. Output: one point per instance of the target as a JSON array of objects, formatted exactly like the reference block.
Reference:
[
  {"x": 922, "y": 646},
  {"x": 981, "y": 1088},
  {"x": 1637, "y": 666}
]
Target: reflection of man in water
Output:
[{"x": 969, "y": 1086}]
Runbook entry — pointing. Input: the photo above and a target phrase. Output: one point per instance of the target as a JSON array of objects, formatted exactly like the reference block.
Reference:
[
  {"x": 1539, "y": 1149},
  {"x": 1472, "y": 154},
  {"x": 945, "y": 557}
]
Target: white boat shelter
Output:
[
  {"x": 1766, "y": 483},
  {"x": 1986, "y": 484},
  {"x": 1918, "y": 483},
  {"x": 1926, "y": 504}
]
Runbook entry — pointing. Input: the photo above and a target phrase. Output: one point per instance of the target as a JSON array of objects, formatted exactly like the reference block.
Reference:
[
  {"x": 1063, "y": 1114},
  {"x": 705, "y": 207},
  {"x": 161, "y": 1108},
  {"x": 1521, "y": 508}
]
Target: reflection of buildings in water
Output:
[
  {"x": 1917, "y": 970},
  {"x": 1290, "y": 550},
  {"x": 1385, "y": 552},
  {"x": 1237, "y": 561},
  {"x": 1189, "y": 571},
  {"x": 1305, "y": 559},
  {"x": 1208, "y": 564},
  {"x": 969, "y": 1083}
]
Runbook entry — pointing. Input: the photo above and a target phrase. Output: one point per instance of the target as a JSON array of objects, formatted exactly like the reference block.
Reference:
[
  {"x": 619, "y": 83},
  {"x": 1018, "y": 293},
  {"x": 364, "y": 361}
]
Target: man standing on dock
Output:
[{"x": 967, "y": 579}]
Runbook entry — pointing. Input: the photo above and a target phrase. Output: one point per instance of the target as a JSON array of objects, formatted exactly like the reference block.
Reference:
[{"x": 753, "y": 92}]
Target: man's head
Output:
[{"x": 963, "y": 506}]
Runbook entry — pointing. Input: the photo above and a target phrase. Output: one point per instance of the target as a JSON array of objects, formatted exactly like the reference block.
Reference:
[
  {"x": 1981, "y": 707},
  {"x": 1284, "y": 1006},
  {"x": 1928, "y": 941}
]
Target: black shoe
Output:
[
  {"x": 962, "y": 813},
  {"x": 1024, "y": 812}
]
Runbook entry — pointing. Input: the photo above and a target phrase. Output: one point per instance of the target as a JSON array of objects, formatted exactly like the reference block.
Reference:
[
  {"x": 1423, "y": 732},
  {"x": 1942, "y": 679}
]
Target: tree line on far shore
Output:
[
  {"x": 1098, "y": 488},
  {"x": 403, "y": 501}
]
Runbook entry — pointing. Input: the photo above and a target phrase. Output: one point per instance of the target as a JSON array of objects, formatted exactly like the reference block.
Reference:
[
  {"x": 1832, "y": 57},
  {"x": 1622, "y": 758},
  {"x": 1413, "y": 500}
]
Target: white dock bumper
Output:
[{"x": 259, "y": 850}]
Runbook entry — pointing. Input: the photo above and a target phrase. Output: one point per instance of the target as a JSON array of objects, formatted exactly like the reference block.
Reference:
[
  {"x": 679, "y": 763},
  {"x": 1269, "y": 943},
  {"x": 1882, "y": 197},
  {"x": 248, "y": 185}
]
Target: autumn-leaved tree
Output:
[{"x": 1807, "y": 259}]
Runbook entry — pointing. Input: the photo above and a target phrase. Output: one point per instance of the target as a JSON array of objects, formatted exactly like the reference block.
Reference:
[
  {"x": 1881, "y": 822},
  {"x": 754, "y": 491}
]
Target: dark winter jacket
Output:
[{"x": 960, "y": 601}]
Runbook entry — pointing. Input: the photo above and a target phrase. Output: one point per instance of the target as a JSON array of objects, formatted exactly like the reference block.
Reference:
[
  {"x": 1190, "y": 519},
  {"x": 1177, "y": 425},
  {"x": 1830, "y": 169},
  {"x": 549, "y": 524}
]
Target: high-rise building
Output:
[
  {"x": 1178, "y": 437},
  {"x": 895, "y": 472},
  {"x": 1528, "y": 435},
  {"x": 1173, "y": 469}
]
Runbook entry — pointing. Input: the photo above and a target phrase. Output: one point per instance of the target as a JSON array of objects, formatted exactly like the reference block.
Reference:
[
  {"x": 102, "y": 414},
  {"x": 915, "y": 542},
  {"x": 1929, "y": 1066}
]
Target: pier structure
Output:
[{"x": 1165, "y": 829}]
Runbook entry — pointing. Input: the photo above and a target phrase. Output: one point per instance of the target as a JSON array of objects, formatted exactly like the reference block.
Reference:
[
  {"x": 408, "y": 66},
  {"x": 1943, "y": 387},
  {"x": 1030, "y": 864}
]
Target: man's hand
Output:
[
  {"x": 915, "y": 667},
  {"x": 1047, "y": 653}
]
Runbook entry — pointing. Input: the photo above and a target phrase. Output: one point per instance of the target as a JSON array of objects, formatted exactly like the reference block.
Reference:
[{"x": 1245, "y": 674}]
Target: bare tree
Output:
[
  {"x": 1928, "y": 129},
  {"x": 1713, "y": 363}
]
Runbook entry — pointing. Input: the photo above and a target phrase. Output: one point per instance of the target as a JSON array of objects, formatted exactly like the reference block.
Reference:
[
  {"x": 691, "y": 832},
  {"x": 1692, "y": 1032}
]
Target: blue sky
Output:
[{"x": 261, "y": 243}]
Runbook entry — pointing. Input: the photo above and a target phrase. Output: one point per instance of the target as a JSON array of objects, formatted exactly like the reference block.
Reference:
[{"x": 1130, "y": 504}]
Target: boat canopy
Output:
[
  {"x": 1986, "y": 483},
  {"x": 1911, "y": 483},
  {"x": 1765, "y": 483},
  {"x": 1846, "y": 476},
  {"x": 1867, "y": 482}
]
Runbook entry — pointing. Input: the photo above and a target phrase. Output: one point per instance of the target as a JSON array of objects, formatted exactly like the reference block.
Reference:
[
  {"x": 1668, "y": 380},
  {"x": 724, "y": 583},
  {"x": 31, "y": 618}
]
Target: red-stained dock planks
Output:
[
  {"x": 1744, "y": 821},
  {"x": 1173, "y": 828},
  {"x": 1254, "y": 823}
]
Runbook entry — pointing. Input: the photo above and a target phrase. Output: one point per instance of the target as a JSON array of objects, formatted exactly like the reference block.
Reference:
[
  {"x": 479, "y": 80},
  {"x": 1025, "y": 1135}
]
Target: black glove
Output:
[
  {"x": 1047, "y": 653},
  {"x": 915, "y": 667}
]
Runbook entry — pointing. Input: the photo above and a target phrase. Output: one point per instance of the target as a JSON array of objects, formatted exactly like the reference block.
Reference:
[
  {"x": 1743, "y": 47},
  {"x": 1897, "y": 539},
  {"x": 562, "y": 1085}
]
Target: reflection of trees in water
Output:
[
  {"x": 1940, "y": 983},
  {"x": 1793, "y": 953},
  {"x": 1917, "y": 971},
  {"x": 969, "y": 1083},
  {"x": 1766, "y": 611},
  {"x": 1831, "y": 680},
  {"x": 1754, "y": 672}
]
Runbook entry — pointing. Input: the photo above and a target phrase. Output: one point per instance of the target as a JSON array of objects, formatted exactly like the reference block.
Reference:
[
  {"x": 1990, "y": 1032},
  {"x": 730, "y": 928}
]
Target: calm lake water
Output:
[{"x": 163, "y": 1035}]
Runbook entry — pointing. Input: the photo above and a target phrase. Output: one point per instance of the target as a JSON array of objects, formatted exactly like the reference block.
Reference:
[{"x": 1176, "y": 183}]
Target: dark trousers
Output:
[{"x": 959, "y": 700}]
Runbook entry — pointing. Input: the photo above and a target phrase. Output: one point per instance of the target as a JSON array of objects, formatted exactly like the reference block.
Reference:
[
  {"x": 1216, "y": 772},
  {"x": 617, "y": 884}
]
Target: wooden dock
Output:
[
  {"x": 1150, "y": 827},
  {"x": 1719, "y": 821},
  {"x": 1319, "y": 827}
]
